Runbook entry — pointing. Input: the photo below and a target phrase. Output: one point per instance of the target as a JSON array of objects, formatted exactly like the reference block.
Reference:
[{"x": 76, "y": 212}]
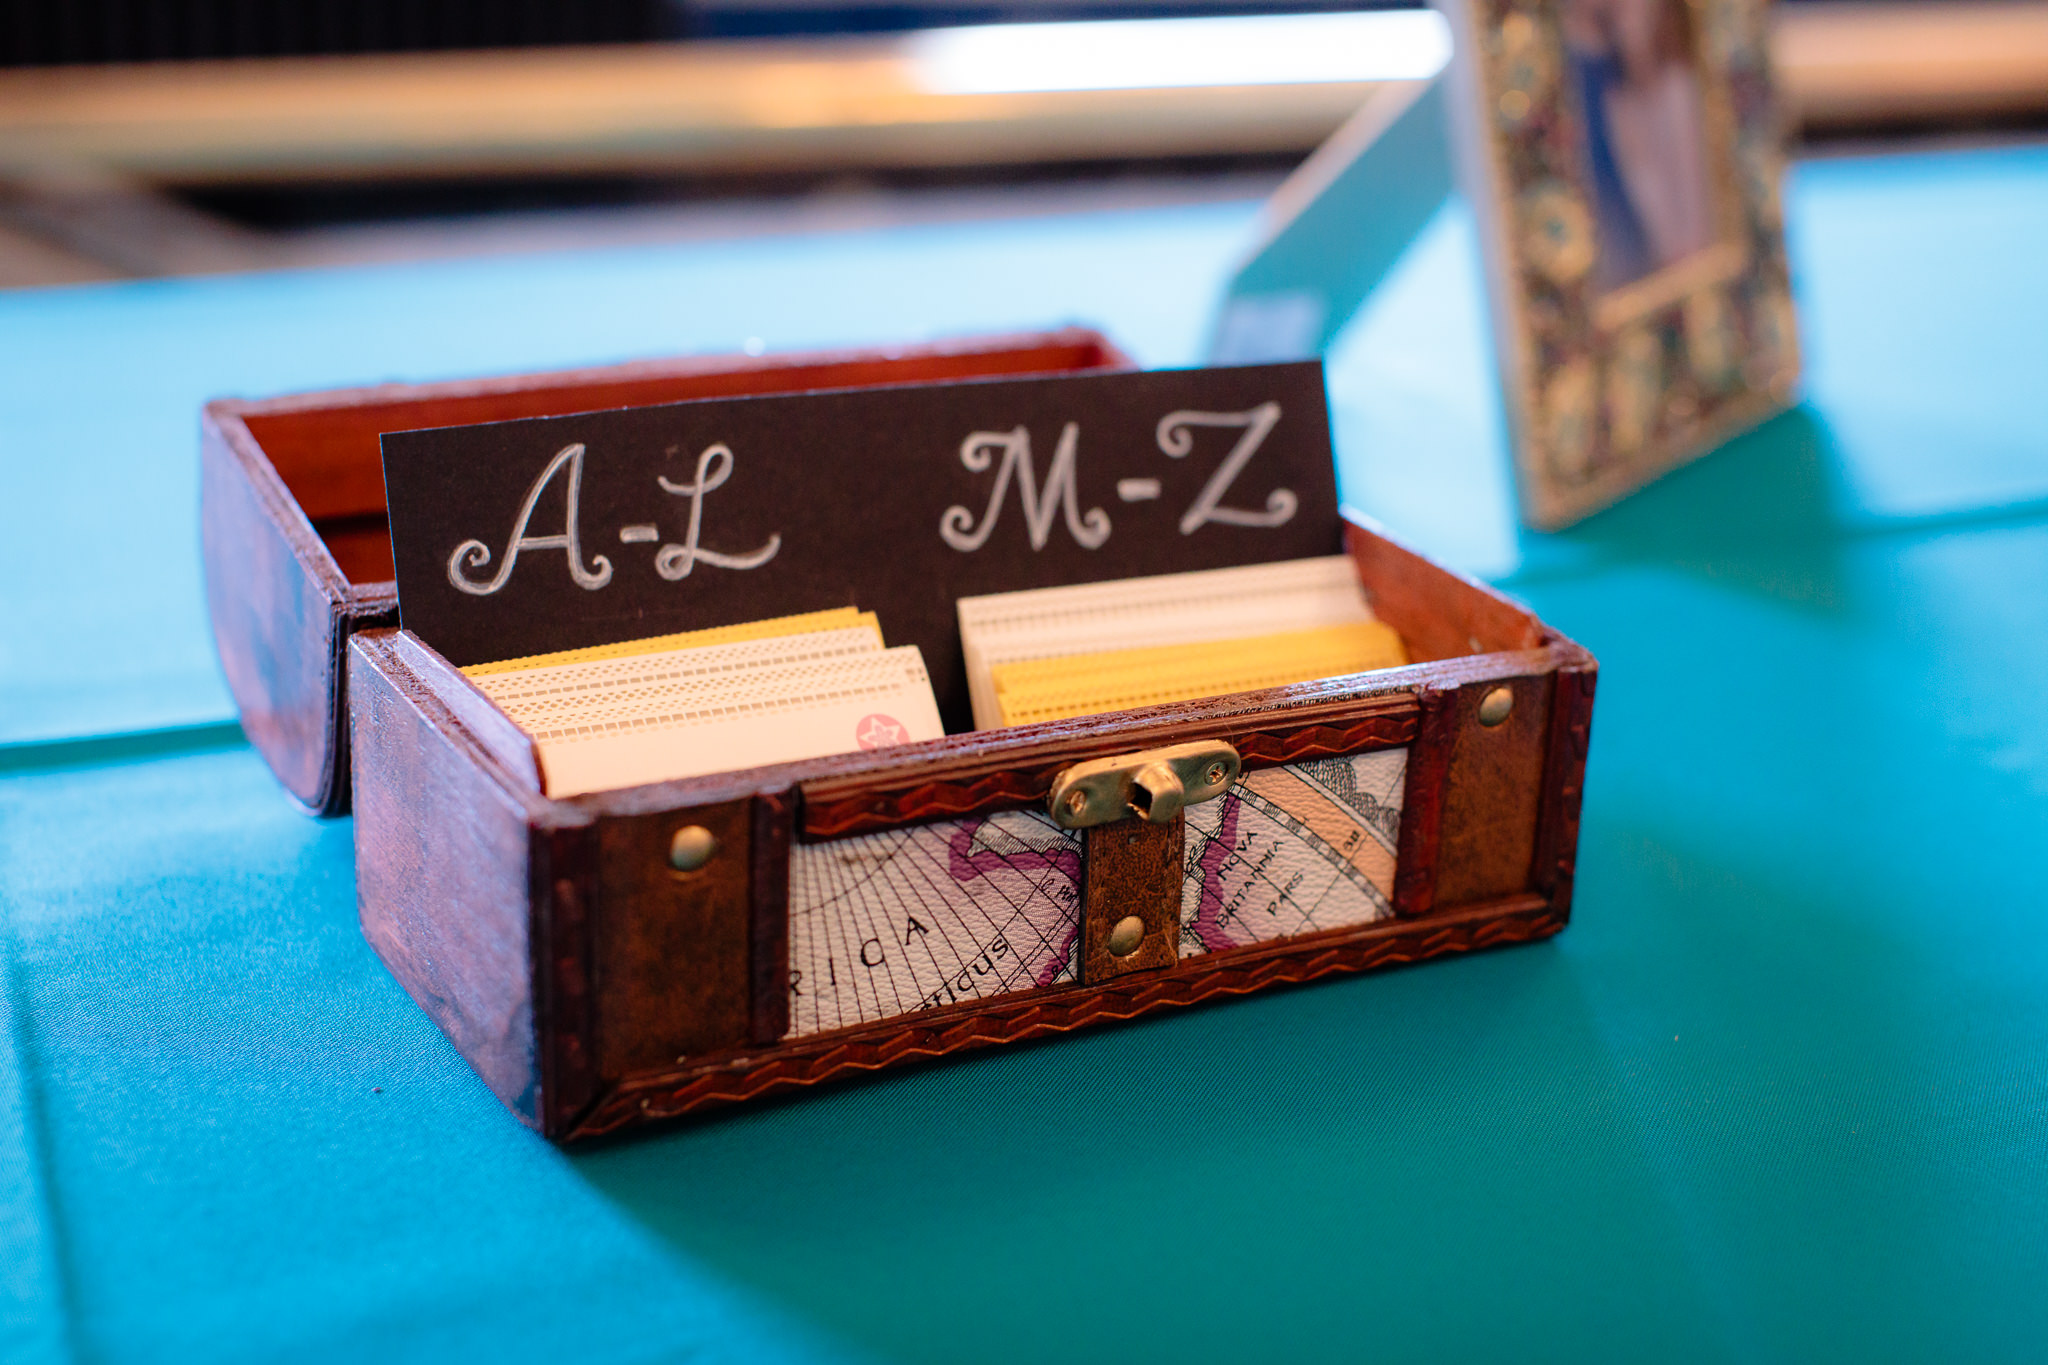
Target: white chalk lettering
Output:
[
  {"x": 1057, "y": 495},
  {"x": 476, "y": 554},
  {"x": 674, "y": 562},
  {"x": 1176, "y": 439}
]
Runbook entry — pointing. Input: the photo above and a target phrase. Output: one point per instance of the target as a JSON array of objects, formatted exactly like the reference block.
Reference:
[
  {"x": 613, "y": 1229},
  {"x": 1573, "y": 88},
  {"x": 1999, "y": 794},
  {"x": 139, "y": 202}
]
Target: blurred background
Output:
[{"x": 163, "y": 137}]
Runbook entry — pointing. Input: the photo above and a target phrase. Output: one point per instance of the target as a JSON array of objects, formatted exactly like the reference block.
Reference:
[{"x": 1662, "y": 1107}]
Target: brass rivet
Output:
[
  {"x": 1077, "y": 801},
  {"x": 1126, "y": 936},
  {"x": 1494, "y": 707},
  {"x": 691, "y": 848}
]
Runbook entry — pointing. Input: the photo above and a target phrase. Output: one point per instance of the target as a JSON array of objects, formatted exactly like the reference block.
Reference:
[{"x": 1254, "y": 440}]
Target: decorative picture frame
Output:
[{"x": 1624, "y": 159}]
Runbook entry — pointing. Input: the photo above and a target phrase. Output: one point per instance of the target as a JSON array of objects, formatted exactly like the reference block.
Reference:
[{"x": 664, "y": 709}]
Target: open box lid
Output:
[{"x": 296, "y": 544}]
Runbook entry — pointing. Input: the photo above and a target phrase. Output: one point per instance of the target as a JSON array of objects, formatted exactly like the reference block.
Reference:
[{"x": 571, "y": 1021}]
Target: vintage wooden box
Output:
[
  {"x": 297, "y": 545},
  {"x": 641, "y": 954}
]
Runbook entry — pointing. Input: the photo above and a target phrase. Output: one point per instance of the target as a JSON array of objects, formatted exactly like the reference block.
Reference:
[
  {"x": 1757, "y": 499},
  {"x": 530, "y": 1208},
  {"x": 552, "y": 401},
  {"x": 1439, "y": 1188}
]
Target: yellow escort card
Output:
[
  {"x": 1087, "y": 684},
  {"x": 1163, "y": 609},
  {"x": 837, "y": 618}
]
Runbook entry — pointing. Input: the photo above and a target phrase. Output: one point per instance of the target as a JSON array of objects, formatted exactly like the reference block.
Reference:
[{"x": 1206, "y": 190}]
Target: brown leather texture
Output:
[
  {"x": 672, "y": 949},
  {"x": 1130, "y": 868},
  {"x": 1001, "y": 770},
  {"x": 497, "y": 732},
  {"x": 1422, "y": 803},
  {"x": 297, "y": 549},
  {"x": 1056, "y": 1010},
  {"x": 444, "y": 878},
  {"x": 1493, "y": 788},
  {"x": 774, "y": 816},
  {"x": 1440, "y": 614},
  {"x": 564, "y": 887},
  {"x": 1564, "y": 781},
  {"x": 488, "y": 899},
  {"x": 274, "y": 614}
]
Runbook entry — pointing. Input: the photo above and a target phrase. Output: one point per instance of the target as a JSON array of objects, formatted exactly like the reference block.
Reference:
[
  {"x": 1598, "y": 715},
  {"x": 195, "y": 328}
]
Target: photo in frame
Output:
[{"x": 1624, "y": 158}]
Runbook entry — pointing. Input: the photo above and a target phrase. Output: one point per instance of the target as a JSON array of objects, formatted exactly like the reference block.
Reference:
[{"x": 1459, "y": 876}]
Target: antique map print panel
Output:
[
  {"x": 888, "y": 924},
  {"x": 910, "y": 919},
  {"x": 1293, "y": 850}
]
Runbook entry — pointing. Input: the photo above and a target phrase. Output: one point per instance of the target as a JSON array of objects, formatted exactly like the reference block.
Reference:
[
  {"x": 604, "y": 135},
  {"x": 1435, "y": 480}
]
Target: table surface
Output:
[{"x": 1780, "y": 1092}]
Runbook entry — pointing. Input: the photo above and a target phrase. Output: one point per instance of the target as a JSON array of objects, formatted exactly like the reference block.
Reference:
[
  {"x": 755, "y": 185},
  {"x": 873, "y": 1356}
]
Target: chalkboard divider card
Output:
[{"x": 545, "y": 534}]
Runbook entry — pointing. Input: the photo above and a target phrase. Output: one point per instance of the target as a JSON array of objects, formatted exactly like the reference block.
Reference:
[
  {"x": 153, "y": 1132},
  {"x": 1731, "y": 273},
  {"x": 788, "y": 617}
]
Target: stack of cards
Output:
[
  {"x": 713, "y": 701},
  {"x": 1058, "y": 652}
]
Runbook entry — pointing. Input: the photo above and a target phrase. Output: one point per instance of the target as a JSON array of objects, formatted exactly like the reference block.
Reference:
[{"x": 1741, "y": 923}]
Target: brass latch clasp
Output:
[{"x": 1153, "y": 785}]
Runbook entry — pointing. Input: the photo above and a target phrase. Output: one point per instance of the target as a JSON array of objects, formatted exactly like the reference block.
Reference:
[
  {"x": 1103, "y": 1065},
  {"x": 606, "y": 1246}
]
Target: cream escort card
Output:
[
  {"x": 617, "y": 721},
  {"x": 1094, "y": 647}
]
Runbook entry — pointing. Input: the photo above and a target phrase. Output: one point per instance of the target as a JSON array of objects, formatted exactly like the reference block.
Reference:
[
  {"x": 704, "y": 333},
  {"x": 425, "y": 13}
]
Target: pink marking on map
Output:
[
  {"x": 965, "y": 865},
  {"x": 1208, "y": 922},
  {"x": 1057, "y": 963}
]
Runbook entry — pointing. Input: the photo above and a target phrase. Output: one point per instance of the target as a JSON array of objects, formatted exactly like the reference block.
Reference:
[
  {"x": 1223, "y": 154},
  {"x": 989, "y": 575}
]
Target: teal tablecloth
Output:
[{"x": 1781, "y": 1091}]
